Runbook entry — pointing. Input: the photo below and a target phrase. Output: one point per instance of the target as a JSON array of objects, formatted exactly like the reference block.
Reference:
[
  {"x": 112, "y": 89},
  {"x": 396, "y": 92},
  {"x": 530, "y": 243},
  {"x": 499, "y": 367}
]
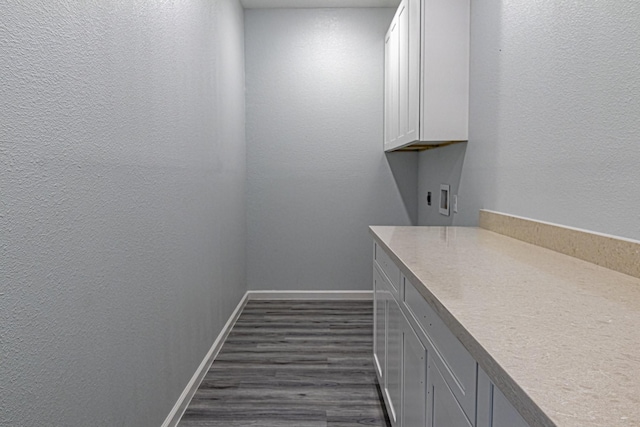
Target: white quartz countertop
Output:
[{"x": 560, "y": 336}]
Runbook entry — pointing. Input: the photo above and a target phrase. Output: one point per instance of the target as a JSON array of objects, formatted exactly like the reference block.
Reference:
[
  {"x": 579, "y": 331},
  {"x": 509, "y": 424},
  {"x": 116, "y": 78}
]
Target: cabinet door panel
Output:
[
  {"x": 394, "y": 359},
  {"x": 504, "y": 414},
  {"x": 408, "y": 71},
  {"x": 445, "y": 70},
  {"x": 388, "y": 135},
  {"x": 403, "y": 70},
  {"x": 392, "y": 66},
  {"x": 379, "y": 324},
  {"x": 494, "y": 410},
  {"x": 414, "y": 380},
  {"x": 413, "y": 70},
  {"x": 443, "y": 408}
]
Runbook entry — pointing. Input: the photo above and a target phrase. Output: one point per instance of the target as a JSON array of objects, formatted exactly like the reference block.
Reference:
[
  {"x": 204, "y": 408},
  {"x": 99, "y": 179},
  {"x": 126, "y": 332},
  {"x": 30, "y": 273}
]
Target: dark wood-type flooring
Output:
[{"x": 293, "y": 363}]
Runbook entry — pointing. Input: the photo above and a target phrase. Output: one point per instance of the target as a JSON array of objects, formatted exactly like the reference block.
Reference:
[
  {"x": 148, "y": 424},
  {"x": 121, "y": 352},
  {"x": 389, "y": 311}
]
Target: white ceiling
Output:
[{"x": 257, "y": 4}]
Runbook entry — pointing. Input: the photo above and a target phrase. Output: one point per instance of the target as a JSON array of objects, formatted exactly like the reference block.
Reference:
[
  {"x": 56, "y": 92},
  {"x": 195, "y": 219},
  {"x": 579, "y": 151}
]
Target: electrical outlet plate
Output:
[{"x": 444, "y": 199}]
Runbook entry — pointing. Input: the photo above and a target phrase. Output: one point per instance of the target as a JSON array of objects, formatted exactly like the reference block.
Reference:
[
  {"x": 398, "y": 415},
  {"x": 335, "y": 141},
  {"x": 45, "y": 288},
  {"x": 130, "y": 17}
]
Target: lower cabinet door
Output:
[
  {"x": 414, "y": 380},
  {"x": 442, "y": 406},
  {"x": 394, "y": 360},
  {"x": 494, "y": 410},
  {"x": 379, "y": 325},
  {"x": 504, "y": 414}
]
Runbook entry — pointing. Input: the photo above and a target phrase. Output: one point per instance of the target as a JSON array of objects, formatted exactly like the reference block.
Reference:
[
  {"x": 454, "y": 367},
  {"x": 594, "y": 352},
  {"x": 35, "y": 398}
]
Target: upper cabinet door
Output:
[
  {"x": 408, "y": 71},
  {"x": 427, "y": 74},
  {"x": 391, "y": 87},
  {"x": 445, "y": 70}
]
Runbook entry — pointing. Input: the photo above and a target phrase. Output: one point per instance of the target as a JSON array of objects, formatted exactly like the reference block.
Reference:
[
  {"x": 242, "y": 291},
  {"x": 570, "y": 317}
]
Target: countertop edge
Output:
[{"x": 527, "y": 408}]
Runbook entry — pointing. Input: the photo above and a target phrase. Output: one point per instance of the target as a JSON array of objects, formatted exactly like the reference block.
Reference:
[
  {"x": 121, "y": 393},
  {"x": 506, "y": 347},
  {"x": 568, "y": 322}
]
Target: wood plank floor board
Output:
[
  {"x": 291, "y": 383},
  {"x": 257, "y": 350},
  {"x": 293, "y": 363},
  {"x": 280, "y": 341},
  {"x": 308, "y": 398},
  {"x": 297, "y": 331}
]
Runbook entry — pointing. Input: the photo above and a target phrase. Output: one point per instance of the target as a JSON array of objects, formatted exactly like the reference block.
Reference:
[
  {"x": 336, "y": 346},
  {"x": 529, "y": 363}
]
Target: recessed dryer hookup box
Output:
[{"x": 444, "y": 199}]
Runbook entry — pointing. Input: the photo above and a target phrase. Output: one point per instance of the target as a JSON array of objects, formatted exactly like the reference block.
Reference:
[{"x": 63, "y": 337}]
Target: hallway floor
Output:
[{"x": 293, "y": 363}]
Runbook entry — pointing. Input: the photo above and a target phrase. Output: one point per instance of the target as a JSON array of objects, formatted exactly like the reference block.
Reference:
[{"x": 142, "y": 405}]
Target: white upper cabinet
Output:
[{"x": 426, "y": 85}]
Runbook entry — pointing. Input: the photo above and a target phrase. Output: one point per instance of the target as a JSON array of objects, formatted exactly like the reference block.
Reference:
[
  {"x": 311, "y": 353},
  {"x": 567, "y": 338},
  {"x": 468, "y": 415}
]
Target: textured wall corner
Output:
[{"x": 122, "y": 170}]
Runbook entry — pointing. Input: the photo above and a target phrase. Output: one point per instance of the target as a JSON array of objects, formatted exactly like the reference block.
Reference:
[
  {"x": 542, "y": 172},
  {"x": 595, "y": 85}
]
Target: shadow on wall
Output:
[
  {"x": 404, "y": 167},
  {"x": 435, "y": 167},
  {"x": 470, "y": 168}
]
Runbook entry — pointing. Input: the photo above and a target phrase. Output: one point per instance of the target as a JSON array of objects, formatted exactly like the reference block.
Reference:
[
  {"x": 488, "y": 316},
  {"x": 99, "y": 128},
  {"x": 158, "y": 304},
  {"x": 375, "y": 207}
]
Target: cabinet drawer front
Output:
[
  {"x": 389, "y": 268},
  {"x": 458, "y": 367}
]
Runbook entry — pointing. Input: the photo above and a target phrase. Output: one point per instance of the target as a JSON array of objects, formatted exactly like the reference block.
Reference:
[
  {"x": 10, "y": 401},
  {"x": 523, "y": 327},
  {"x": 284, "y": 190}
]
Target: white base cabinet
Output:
[{"x": 427, "y": 377}]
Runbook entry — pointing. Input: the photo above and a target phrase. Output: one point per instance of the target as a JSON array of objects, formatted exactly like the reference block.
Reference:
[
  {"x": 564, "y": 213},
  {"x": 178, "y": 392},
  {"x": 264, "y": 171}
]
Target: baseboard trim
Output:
[
  {"x": 178, "y": 409},
  {"x": 310, "y": 295}
]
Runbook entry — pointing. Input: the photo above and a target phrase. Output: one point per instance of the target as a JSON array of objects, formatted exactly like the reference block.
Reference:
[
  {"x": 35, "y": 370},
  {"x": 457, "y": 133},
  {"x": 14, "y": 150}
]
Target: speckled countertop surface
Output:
[{"x": 560, "y": 336}]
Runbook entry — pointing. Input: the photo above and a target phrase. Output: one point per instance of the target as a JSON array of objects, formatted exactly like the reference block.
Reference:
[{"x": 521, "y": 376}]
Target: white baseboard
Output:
[
  {"x": 311, "y": 295},
  {"x": 178, "y": 409}
]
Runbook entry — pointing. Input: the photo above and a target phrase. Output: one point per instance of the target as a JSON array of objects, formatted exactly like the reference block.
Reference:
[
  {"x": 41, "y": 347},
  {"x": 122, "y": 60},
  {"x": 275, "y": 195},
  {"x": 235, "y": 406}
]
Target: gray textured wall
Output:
[
  {"x": 122, "y": 227},
  {"x": 554, "y": 129},
  {"x": 317, "y": 176}
]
